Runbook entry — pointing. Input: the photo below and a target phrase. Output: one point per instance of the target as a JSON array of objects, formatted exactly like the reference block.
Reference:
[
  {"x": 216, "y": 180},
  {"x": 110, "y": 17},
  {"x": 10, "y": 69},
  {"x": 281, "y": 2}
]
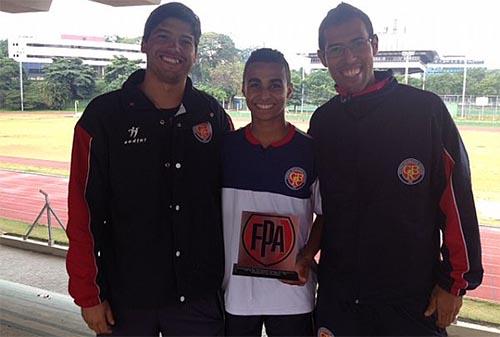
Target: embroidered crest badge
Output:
[
  {"x": 411, "y": 171},
  {"x": 203, "y": 132},
  {"x": 324, "y": 332},
  {"x": 295, "y": 178}
]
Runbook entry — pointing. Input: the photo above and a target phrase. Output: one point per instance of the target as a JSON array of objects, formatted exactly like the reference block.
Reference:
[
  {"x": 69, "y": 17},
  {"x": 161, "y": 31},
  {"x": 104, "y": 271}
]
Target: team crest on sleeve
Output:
[
  {"x": 324, "y": 332},
  {"x": 203, "y": 132},
  {"x": 295, "y": 178},
  {"x": 411, "y": 171}
]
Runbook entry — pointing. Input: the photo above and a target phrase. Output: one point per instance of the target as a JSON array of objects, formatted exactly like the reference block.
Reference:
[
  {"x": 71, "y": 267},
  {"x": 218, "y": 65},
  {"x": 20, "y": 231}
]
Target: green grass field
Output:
[
  {"x": 36, "y": 135},
  {"x": 49, "y": 136},
  {"x": 39, "y": 232}
]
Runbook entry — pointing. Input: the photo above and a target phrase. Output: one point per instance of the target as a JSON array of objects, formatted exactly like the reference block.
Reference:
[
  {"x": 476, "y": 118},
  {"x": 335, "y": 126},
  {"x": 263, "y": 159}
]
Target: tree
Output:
[
  {"x": 482, "y": 82},
  {"x": 56, "y": 95},
  {"x": 9, "y": 82},
  {"x": 214, "y": 49},
  {"x": 244, "y": 54},
  {"x": 33, "y": 98},
  {"x": 9, "y": 74},
  {"x": 10, "y": 96},
  {"x": 414, "y": 82},
  {"x": 296, "y": 78},
  {"x": 121, "y": 39},
  {"x": 118, "y": 71},
  {"x": 67, "y": 79},
  {"x": 227, "y": 77},
  {"x": 445, "y": 84},
  {"x": 216, "y": 92},
  {"x": 319, "y": 87},
  {"x": 491, "y": 83},
  {"x": 4, "y": 52}
]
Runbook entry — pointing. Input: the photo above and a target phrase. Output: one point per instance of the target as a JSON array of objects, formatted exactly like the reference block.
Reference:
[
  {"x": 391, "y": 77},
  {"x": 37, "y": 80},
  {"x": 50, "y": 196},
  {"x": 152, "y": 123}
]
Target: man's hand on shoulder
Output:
[
  {"x": 445, "y": 305},
  {"x": 99, "y": 318}
]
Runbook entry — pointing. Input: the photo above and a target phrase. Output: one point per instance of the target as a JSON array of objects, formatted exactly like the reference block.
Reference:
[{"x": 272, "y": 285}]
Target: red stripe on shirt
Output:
[
  {"x": 283, "y": 141},
  {"x": 81, "y": 261},
  {"x": 453, "y": 235}
]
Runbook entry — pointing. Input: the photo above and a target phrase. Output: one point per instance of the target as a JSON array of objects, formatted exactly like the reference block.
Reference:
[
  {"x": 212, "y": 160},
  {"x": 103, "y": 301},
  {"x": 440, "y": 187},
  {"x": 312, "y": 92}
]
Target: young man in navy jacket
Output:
[
  {"x": 146, "y": 251},
  {"x": 400, "y": 245}
]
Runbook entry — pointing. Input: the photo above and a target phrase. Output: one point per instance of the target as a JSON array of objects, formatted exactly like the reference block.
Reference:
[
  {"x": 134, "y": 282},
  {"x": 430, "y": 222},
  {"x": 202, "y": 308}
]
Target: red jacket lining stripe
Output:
[
  {"x": 453, "y": 234},
  {"x": 80, "y": 220},
  {"x": 231, "y": 124},
  {"x": 372, "y": 88}
]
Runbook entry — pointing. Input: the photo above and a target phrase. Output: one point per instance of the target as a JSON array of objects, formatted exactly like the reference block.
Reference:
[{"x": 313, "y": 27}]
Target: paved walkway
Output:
[
  {"x": 33, "y": 293},
  {"x": 33, "y": 269}
]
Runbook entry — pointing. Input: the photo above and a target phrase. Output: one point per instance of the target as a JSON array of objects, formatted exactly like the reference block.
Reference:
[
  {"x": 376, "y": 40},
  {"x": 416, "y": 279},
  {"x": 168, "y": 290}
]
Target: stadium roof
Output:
[{"x": 23, "y": 6}]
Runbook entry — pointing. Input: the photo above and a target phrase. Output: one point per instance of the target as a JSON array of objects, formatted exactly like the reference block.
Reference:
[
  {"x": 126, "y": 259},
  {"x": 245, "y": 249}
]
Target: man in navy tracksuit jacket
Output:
[
  {"x": 146, "y": 253},
  {"x": 401, "y": 242}
]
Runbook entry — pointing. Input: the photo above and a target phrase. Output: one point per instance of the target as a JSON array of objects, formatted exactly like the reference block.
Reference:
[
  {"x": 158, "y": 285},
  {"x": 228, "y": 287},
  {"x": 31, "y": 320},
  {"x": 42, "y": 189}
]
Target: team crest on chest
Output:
[
  {"x": 203, "y": 132},
  {"x": 324, "y": 332},
  {"x": 295, "y": 178},
  {"x": 411, "y": 171}
]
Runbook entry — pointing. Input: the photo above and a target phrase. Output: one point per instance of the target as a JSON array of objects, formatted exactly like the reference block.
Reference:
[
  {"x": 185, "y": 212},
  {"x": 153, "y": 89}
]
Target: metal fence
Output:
[{"x": 478, "y": 108}]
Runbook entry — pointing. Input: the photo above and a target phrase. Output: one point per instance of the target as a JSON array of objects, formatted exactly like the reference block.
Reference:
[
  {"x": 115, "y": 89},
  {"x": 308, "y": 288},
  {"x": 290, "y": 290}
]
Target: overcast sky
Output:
[{"x": 448, "y": 26}]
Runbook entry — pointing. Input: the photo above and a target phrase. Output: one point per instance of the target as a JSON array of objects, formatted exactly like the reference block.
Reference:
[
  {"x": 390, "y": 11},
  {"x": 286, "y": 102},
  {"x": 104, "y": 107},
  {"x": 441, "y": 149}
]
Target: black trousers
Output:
[
  {"x": 276, "y": 325},
  {"x": 340, "y": 317},
  {"x": 200, "y": 317}
]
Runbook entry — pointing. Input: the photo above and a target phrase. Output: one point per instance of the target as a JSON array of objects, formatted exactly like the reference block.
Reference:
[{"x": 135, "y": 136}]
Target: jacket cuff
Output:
[{"x": 88, "y": 302}]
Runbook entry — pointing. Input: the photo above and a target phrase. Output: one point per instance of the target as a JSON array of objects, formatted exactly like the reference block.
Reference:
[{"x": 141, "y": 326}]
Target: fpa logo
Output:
[
  {"x": 268, "y": 239},
  {"x": 411, "y": 171}
]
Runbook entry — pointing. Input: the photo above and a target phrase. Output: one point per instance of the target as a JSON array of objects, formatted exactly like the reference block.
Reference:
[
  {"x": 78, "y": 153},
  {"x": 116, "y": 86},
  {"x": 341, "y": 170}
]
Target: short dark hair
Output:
[
  {"x": 341, "y": 14},
  {"x": 270, "y": 56},
  {"x": 173, "y": 10}
]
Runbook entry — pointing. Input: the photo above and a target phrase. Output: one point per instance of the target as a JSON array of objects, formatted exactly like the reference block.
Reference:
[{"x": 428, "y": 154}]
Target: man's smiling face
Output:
[
  {"x": 170, "y": 50},
  {"x": 353, "y": 69}
]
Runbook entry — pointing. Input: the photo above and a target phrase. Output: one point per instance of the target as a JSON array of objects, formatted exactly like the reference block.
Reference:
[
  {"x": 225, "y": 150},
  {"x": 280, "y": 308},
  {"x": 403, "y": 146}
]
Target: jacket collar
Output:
[
  {"x": 283, "y": 141},
  {"x": 382, "y": 79},
  {"x": 138, "y": 100}
]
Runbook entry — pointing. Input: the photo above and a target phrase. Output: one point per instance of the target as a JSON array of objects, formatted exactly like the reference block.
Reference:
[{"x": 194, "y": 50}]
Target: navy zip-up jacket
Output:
[
  {"x": 394, "y": 178},
  {"x": 145, "y": 226}
]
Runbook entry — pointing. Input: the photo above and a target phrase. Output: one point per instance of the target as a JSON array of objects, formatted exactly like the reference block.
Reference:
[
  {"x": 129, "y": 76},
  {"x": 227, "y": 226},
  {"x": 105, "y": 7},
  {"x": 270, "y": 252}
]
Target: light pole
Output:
[
  {"x": 21, "y": 84},
  {"x": 407, "y": 55},
  {"x": 462, "y": 114},
  {"x": 424, "y": 77},
  {"x": 302, "y": 91}
]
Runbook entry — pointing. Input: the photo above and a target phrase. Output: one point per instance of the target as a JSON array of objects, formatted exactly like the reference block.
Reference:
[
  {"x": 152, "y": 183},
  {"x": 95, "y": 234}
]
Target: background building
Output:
[{"x": 36, "y": 52}]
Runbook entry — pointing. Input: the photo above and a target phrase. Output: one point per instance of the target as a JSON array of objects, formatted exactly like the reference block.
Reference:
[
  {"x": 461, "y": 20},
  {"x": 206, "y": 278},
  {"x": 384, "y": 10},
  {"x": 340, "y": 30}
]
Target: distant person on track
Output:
[
  {"x": 269, "y": 168},
  {"x": 146, "y": 249},
  {"x": 400, "y": 245}
]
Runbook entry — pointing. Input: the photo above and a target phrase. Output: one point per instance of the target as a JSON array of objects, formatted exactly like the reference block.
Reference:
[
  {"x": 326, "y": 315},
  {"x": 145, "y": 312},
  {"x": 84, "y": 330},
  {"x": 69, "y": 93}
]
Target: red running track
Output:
[{"x": 20, "y": 200}]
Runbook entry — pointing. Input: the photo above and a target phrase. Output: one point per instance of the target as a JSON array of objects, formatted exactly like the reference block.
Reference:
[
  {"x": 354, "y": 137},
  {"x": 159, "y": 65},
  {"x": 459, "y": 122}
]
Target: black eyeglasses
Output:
[{"x": 356, "y": 47}]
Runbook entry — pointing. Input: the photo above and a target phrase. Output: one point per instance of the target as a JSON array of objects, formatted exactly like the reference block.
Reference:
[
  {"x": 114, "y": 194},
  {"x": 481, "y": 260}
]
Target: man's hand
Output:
[
  {"x": 99, "y": 318},
  {"x": 302, "y": 267},
  {"x": 445, "y": 304}
]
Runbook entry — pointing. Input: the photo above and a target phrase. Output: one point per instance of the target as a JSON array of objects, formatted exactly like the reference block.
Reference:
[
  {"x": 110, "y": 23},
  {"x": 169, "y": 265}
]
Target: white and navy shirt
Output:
[{"x": 258, "y": 179}]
